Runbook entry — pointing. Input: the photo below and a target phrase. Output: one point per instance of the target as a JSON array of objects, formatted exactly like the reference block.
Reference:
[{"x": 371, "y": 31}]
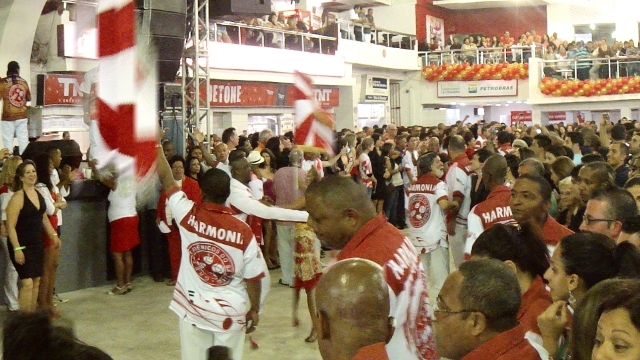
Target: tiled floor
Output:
[{"x": 140, "y": 325}]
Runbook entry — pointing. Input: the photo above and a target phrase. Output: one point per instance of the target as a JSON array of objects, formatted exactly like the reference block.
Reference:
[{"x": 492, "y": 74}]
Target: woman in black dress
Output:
[
  {"x": 26, "y": 221},
  {"x": 379, "y": 167}
]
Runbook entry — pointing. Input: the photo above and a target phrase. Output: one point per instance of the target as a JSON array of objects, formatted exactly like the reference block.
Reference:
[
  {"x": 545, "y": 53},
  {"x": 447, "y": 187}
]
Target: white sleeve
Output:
[
  {"x": 180, "y": 205},
  {"x": 256, "y": 208},
  {"x": 474, "y": 229},
  {"x": 256, "y": 188},
  {"x": 48, "y": 200},
  {"x": 254, "y": 264},
  {"x": 4, "y": 201}
]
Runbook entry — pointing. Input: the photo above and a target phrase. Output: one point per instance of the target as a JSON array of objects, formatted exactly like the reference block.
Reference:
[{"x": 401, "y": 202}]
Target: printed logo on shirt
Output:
[
  {"x": 212, "y": 263},
  {"x": 420, "y": 210},
  {"x": 18, "y": 95}
]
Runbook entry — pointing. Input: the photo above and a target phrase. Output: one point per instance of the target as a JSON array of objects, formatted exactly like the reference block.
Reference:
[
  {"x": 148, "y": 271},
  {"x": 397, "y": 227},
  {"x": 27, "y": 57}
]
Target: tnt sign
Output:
[{"x": 59, "y": 89}]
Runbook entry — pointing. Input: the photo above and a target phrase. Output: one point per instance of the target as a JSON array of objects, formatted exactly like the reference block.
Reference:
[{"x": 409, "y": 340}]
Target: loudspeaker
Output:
[
  {"x": 167, "y": 70},
  {"x": 177, "y": 6},
  {"x": 239, "y": 7},
  {"x": 71, "y": 154},
  {"x": 165, "y": 23}
]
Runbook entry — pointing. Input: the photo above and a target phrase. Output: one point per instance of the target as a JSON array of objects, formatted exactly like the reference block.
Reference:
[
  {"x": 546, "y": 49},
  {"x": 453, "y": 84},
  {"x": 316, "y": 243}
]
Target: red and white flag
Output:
[
  {"x": 126, "y": 100},
  {"x": 313, "y": 125}
]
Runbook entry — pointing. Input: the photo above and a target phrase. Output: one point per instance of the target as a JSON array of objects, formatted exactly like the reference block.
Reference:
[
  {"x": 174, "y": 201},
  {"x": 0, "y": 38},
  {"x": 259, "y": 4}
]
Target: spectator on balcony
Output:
[
  {"x": 550, "y": 67},
  {"x": 507, "y": 42},
  {"x": 534, "y": 38},
  {"x": 583, "y": 64},
  {"x": 469, "y": 51},
  {"x": 424, "y": 45},
  {"x": 353, "y": 15},
  {"x": 372, "y": 25},
  {"x": 554, "y": 39},
  {"x": 633, "y": 53},
  {"x": 602, "y": 52},
  {"x": 273, "y": 39},
  {"x": 546, "y": 41}
]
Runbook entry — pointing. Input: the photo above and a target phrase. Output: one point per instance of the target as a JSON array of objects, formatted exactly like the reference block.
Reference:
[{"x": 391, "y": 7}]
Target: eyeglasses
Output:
[
  {"x": 437, "y": 309},
  {"x": 587, "y": 220}
]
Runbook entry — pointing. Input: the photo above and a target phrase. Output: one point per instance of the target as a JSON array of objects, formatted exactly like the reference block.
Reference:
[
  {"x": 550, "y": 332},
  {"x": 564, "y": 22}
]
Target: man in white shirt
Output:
[{"x": 458, "y": 182}]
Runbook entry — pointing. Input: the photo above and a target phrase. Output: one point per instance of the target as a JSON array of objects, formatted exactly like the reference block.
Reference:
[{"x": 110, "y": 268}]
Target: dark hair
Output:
[
  {"x": 526, "y": 153},
  {"x": 631, "y": 225},
  {"x": 591, "y": 158},
  {"x": 483, "y": 154},
  {"x": 235, "y": 155},
  {"x": 42, "y": 163},
  {"x": 603, "y": 172},
  {"x": 618, "y": 132},
  {"x": 620, "y": 202},
  {"x": 17, "y": 183},
  {"x": 576, "y": 138},
  {"x": 513, "y": 162},
  {"x": 633, "y": 181},
  {"x": 272, "y": 161},
  {"x": 273, "y": 144},
  {"x": 628, "y": 300},
  {"x": 386, "y": 148},
  {"x": 425, "y": 162},
  {"x": 557, "y": 150},
  {"x": 188, "y": 168},
  {"x": 543, "y": 141},
  {"x": 489, "y": 286},
  {"x": 544, "y": 187},
  {"x": 13, "y": 70},
  {"x": 562, "y": 166},
  {"x": 594, "y": 257},
  {"x": 215, "y": 185},
  {"x": 528, "y": 140},
  {"x": 504, "y": 242},
  {"x": 227, "y": 134},
  {"x": 503, "y": 137},
  {"x": 218, "y": 353},
  {"x": 176, "y": 158},
  {"x": 535, "y": 164}
]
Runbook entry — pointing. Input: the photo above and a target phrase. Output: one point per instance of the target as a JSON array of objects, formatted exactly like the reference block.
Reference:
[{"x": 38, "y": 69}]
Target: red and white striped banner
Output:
[
  {"x": 313, "y": 125},
  {"x": 126, "y": 100}
]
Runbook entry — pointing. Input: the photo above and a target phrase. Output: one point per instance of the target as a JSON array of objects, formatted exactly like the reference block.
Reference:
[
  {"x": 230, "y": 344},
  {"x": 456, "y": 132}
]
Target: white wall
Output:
[{"x": 400, "y": 17}]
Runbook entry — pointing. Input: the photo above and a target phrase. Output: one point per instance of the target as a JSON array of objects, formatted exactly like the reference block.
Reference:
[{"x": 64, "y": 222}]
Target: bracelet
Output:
[
  {"x": 53, "y": 235},
  {"x": 158, "y": 146},
  {"x": 19, "y": 248}
]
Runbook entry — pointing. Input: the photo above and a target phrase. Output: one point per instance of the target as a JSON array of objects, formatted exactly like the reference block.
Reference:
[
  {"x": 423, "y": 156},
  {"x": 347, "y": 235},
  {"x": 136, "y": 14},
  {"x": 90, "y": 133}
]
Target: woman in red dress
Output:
[{"x": 192, "y": 190}]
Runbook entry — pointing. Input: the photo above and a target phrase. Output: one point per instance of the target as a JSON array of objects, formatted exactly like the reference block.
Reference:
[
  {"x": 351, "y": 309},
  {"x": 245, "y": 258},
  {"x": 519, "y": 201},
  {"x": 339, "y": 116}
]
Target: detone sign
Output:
[
  {"x": 375, "y": 88},
  {"x": 256, "y": 94},
  {"x": 482, "y": 88},
  {"x": 59, "y": 89}
]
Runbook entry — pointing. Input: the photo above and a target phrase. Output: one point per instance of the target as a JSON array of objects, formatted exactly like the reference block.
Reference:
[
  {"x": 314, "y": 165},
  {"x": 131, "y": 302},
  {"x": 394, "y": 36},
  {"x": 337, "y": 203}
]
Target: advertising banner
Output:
[
  {"x": 481, "y": 88},
  {"x": 375, "y": 88},
  {"x": 524, "y": 116},
  {"x": 557, "y": 115},
  {"x": 259, "y": 94},
  {"x": 59, "y": 89},
  {"x": 435, "y": 31}
]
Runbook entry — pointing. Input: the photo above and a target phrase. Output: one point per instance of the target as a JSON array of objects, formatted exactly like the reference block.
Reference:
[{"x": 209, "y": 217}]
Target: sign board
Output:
[
  {"x": 481, "y": 88},
  {"x": 524, "y": 116},
  {"x": 59, "y": 89},
  {"x": 375, "y": 88},
  {"x": 435, "y": 31},
  {"x": 557, "y": 116},
  {"x": 259, "y": 94}
]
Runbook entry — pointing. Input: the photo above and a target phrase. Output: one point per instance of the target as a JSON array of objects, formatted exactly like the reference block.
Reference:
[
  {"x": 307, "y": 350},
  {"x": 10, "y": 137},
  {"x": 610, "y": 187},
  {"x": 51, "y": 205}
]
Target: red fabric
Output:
[
  {"x": 505, "y": 148},
  {"x": 189, "y": 186},
  {"x": 495, "y": 209},
  {"x": 372, "y": 352},
  {"x": 534, "y": 302},
  {"x": 470, "y": 152},
  {"x": 509, "y": 345},
  {"x": 4, "y": 189},
  {"x": 124, "y": 234},
  {"x": 48, "y": 242},
  {"x": 307, "y": 285},
  {"x": 553, "y": 232},
  {"x": 463, "y": 161},
  {"x": 175, "y": 251},
  {"x": 116, "y": 24}
]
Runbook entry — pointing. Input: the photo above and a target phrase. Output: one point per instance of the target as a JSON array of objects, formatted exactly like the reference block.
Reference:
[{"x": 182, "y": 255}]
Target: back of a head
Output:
[
  {"x": 506, "y": 243},
  {"x": 586, "y": 315},
  {"x": 592, "y": 158},
  {"x": 543, "y": 141},
  {"x": 491, "y": 287},
  {"x": 562, "y": 166},
  {"x": 594, "y": 258},
  {"x": 353, "y": 305},
  {"x": 534, "y": 166},
  {"x": 620, "y": 202},
  {"x": 215, "y": 185},
  {"x": 341, "y": 193},
  {"x": 602, "y": 172},
  {"x": 425, "y": 162},
  {"x": 576, "y": 138},
  {"x": 456, "y": 143},
  {"x": 618, "y": 132},
  {"x": 496, "y": 166}
]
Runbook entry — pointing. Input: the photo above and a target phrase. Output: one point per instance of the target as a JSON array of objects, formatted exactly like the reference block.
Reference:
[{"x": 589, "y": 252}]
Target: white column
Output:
[{"x": 536, "y": 116}]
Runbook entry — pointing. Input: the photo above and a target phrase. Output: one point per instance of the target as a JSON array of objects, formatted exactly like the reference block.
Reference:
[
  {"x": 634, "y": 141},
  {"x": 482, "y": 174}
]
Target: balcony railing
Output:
[
  {"x": 389, "y": 38},
  {"x": 241, "y": 33},
  {"x": 492, "y": 55},
  {"x": 591, "y": 68}
]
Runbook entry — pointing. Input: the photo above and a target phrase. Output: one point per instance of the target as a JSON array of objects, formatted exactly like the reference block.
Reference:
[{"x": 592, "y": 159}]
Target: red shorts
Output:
[
  {"x": 48, "y": 242},
  {"x": 124, "y": 234}
]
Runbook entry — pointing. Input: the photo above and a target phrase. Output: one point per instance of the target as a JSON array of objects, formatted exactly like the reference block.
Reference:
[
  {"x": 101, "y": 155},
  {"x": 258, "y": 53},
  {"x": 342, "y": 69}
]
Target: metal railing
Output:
[
  {"x": 271, "y": 37},
  {"x": 591, "y": 68},
  {"x": 492, "y": 55},
  {"x": 356, "y": 31}
]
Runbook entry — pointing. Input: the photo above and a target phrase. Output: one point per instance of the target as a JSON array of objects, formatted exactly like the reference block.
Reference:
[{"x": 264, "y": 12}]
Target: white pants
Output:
[
  {"x": 285, "y": 251},
  {"x": 436, "y": 265},
  {"x": 10, "y": 278},
  {"x": 17, "y": 128},
  {"x": 456, "y": 244},
  {"x": 195, "y": 342}
]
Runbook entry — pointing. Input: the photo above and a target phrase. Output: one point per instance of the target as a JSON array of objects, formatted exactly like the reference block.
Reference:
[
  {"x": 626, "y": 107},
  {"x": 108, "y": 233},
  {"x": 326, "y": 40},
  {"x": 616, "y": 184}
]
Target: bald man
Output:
[
  {"x": 495, "y": 209},
  {"x": 353, "y": 311},
  {"x": 344, "y": 218},
  {"x": 221, "y": 151}
]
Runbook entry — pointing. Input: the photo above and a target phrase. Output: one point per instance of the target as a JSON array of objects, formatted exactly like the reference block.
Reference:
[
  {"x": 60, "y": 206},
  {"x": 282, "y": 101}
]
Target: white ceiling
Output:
[{"x": 482, "y": 4}]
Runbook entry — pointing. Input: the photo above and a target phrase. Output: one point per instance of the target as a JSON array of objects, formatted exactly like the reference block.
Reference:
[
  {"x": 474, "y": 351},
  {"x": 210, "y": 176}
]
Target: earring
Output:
[{"x": 572, "y": 299}]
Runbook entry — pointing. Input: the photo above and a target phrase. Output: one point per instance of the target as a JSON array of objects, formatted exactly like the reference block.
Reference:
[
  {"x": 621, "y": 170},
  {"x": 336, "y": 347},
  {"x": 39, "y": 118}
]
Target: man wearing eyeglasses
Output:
[
  {"x": 476, "y": 315},
  {"x": 606, "y": 210}
]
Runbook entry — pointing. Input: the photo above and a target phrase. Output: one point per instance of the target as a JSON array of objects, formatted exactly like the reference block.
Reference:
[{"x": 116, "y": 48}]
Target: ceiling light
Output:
[
  {"x": 592, "y": 26},
  {"x": 506, "y": 104},
  {"x": 462, "y": 104},
  {"x": 453, "y": 103},
  {"x": 498, "y": 104},
  {"x": 509, "y": 102}
]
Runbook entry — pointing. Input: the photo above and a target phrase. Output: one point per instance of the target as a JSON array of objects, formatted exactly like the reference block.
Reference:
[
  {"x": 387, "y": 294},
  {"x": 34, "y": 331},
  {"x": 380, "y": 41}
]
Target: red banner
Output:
[
  {"x": 557, "y": 116},
  {"x": 59, "y": 89},
  {"x": 256, "y": 94},
  {"x": 517, "y": 116}
]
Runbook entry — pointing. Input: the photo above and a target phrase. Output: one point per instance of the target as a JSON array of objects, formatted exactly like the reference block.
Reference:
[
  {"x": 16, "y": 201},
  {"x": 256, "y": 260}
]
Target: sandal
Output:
[
  {"x": 311, "y": 338},
  {"x": 118, "y": 290}
]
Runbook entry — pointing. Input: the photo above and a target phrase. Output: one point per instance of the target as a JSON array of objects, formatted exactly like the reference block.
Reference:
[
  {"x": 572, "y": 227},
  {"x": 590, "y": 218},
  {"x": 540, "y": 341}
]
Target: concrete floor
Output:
[{"x": 140, "y": 325}]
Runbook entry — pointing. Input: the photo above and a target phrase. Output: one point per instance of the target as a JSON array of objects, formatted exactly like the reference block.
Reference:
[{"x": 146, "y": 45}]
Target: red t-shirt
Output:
[
  {"x": 509, "y": 345},
  {"x": 553, "y": 232},
  {"x": 382, "y": 243},
  {"x": 534, "y": 302}
]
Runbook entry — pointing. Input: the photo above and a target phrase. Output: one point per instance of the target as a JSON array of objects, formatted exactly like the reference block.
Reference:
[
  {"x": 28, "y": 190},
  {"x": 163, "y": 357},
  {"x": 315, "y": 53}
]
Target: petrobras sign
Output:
[
  {"x": 482, "y": 88},
  {"x": 375, "y": 88}
]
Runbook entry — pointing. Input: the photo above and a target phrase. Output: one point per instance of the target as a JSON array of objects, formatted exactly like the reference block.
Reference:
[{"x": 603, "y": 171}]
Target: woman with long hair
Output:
[
  {"x": 26, "y": 220},
  {"x": 526, "y": 253},
  {"x": 194, "y": 169},
  {"x": 267, "y": 172},
  {"x": 579, "y": 262},
  {"x": 11, "y": 275},
  {"x": 55, "y": 202},
  {"x": 192, "y": 190}
]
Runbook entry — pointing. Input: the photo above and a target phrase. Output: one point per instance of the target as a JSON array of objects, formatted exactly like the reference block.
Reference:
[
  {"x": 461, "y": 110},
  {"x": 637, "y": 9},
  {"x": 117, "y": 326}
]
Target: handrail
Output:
[
  {"x": 280, "y": 39},
  {"x": 350, "y": 31},
  {"x": 515, "y": 53},
  {"x": 571, "y": 66}
]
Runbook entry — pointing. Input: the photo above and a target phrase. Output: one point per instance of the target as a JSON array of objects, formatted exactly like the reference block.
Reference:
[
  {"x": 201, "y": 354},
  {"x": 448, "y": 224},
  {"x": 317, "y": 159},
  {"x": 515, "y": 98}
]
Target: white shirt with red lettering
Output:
[
  {"x": 410, "y": 168},
  {"x": 494, "y": 210},
  {"x": 426, "y": 221},
  {"x": 458, "y": 182},
  {"x": 219, "y": 253},
  {"x": 365, "y": 170}
]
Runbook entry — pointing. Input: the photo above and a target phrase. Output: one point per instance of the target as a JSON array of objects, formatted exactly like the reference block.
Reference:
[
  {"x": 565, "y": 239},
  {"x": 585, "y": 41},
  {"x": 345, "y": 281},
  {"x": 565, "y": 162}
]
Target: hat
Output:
[
  {"x": 519, "y": 143},
  {"x": 255, "y": 158}
]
